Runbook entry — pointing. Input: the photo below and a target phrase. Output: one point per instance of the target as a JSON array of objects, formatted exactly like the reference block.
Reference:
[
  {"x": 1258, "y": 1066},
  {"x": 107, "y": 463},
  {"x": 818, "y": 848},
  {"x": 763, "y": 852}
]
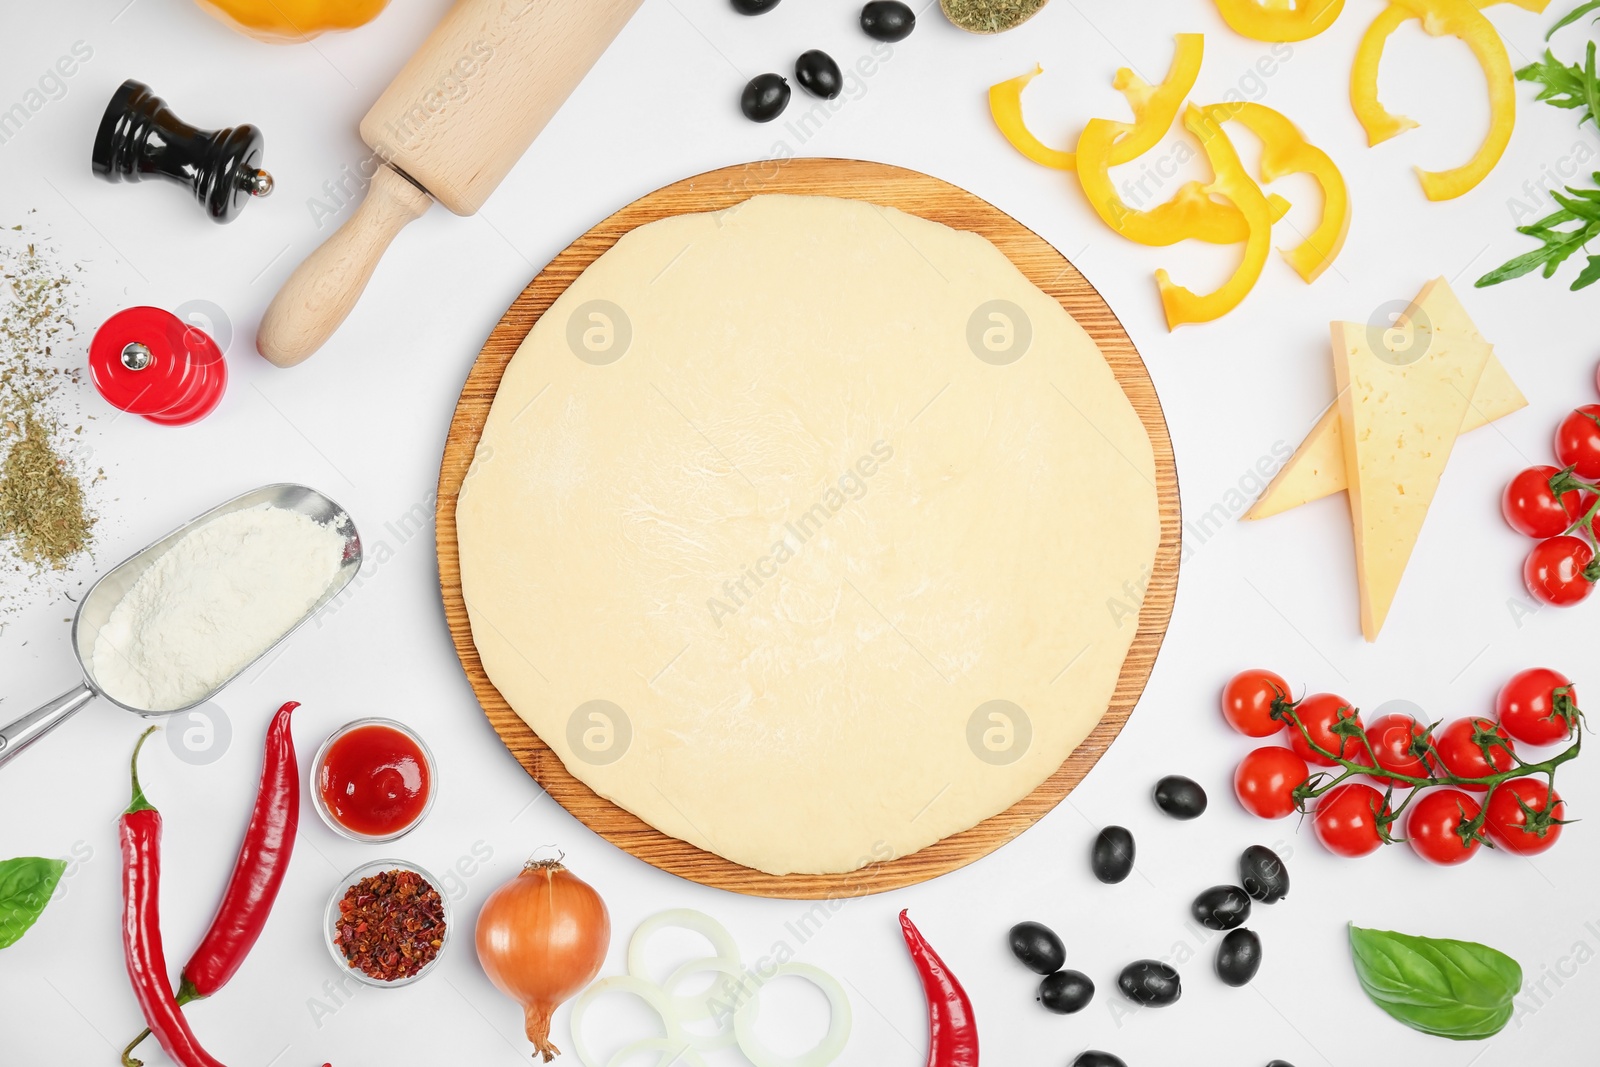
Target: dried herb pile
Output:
[
  {"x": 44, "y": 518},
  {"x": 990, "y": 16}
]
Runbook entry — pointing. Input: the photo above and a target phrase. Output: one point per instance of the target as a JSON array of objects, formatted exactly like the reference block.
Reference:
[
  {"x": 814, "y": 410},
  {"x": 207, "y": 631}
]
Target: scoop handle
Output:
[
  {"x": 325, "y": 287},
  {"x": 18, "y": 735}
]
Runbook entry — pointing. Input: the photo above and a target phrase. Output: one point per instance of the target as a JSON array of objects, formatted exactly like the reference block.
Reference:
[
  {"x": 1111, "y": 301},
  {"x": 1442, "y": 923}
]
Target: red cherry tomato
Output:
[
  {"x": 1265, "y": 781},
  {"x": 1578, "y": 441},
  {"x": 1531, "y": 508},
  {"x": 1531, "y": 710},
  {"x": 1524, "y": 816},
  {"x": 1461, "y": 744},
  {"x": 1248, "y": 699},
  {"x": 1319, "y": 712},
  {"x": 1555, "y": 571},
  {"x": 1399, "y": 742},
  {"x": 1346, "y": 820},
  {"x": 1435, "y": 823}
]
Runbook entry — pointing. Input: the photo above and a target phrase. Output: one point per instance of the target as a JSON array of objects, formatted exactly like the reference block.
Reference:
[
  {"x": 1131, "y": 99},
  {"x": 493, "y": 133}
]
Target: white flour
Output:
[{"x": 213, "y": 602}]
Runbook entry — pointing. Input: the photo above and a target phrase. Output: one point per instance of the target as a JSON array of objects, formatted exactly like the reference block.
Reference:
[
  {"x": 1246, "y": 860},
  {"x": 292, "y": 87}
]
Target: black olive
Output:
[
  {"x": 888, "y": 20},
  {"x": 754, "y": 7},
  {"x": 1096, "y": 1058},
  {"x": 1066, "y": 992},
  {"x": 1150, "y": 982},
  {"x": 765, "y": 97},
  {"x": 1239, "y": 957},
  {"x": 1112, "y": 856},
  {"x": 1038, "y": 947},
  {"x": 818, "y": 74},
  {"x": 1222, "y": 907},
  {"x": 1180, "y": 797},
  {"x": 1263, "y": 874}
]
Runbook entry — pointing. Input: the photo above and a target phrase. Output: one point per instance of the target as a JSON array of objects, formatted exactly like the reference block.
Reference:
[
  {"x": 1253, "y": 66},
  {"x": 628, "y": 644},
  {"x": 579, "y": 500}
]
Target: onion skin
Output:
[{"x": 542, "y": 938}]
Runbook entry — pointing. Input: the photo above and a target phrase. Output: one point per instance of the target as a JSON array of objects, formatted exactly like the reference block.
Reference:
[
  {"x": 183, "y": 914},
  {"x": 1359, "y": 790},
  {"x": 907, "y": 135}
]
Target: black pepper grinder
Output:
[{"x": 140, "y": 137}]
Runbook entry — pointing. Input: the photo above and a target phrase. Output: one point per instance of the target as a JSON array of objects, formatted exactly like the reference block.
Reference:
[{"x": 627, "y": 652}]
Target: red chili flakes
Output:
[{"x": 391, "y": 924}]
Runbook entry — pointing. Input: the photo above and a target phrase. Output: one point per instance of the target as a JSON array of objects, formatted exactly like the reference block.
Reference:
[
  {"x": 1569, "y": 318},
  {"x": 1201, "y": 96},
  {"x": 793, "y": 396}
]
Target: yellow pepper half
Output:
[
  {"x": 1285, "y": 150},
  {"x": 1460, "y": 19},
  {"x": 292, "y": 21},
  {"x": 1154, "y": 107},
  {"x": 1233, "y": 182},
  {"x": 1280, "y": 20}
]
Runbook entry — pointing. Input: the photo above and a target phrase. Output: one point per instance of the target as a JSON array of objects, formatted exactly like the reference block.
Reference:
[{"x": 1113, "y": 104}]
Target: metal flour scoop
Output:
[{"x": 105, "y": 594}]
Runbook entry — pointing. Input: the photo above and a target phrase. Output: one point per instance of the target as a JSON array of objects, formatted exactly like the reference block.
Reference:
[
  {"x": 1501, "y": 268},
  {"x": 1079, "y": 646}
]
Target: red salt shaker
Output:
[{"x": 150, "y": 362}]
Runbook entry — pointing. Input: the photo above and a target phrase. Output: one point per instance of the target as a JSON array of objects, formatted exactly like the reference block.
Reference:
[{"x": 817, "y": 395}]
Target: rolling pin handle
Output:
[{"x": 325, "y": 287}]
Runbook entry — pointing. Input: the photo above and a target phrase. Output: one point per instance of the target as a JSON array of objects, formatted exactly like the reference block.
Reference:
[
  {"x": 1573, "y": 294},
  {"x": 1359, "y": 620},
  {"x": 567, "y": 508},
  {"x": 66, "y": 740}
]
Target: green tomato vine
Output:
[{"x": 1422, "y": 746}]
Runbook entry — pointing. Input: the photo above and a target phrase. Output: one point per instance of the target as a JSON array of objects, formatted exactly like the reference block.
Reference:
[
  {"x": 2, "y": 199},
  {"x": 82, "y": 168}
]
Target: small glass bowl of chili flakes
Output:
[{"x": 387, "y": 923}]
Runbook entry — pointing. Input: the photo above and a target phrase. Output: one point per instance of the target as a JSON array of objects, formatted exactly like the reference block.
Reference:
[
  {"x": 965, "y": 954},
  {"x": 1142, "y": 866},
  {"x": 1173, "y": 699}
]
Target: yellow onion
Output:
[{"x": 541, "y": 939}]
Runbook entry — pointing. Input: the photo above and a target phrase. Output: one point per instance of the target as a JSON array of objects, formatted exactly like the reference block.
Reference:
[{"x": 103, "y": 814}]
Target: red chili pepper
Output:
[
  {"x": 257, "y": 873},
  {"x": 139, "y": 830},
  {"x": 952, "y": 1028}
]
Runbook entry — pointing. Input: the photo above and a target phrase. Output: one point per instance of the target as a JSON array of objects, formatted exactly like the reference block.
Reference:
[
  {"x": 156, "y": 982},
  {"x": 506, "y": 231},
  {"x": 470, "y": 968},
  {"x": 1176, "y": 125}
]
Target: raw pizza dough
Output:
[{"x": 772, "y": 507}]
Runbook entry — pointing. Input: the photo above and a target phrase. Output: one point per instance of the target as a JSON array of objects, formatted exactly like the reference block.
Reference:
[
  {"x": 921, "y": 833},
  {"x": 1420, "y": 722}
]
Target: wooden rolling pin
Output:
[{"x": 449, "y": 127}]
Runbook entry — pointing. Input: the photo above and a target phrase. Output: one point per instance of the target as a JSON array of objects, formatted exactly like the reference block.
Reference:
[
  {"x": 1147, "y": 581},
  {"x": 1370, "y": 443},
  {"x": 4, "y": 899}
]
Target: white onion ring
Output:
[
  {"x": 688, "y": 919},
  {"x": 681, "y": 1055},
  {"x": 832, "y": 1043},
  {"x": 623, "y": 983},
  {"x": 724, "y": 1035}
]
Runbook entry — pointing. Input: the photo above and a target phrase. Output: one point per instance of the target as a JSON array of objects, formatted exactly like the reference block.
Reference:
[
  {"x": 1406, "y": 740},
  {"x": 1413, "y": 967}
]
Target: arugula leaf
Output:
[
  {"x": 1589, "y": 275},
  {"x": 1566, "y": 85},
  {"x": 1581, "y": 206},
  {"x": 25, "y": 887},
  {"x": 1573, "y": 16},
  {"x": 1456, "y": 989}
]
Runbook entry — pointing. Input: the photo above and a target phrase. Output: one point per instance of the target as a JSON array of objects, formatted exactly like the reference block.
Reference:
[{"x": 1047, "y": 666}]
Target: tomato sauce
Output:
[{"x": 375, "y": 780}]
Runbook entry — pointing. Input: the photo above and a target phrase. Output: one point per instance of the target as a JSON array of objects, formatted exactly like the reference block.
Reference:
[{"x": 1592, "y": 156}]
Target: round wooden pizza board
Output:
[{"x": 918, "y": 194}]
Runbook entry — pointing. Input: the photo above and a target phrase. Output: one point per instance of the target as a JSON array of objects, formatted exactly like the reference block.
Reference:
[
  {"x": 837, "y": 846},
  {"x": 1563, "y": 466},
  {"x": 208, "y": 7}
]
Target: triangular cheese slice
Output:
[
  {"x": 1316, "y": 469},
  {"x": 1399, "y": 416}
]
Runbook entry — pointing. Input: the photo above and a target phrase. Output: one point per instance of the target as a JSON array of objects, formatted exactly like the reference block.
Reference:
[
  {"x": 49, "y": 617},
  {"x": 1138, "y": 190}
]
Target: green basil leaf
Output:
[
  {"x": 1455, "y": 989},
  {"x": 25, "y": 887}
]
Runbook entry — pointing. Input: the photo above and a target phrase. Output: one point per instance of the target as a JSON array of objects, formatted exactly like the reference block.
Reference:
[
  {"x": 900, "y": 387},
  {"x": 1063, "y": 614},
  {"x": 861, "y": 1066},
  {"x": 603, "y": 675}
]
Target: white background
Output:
[{"x": 366, "y": 418}]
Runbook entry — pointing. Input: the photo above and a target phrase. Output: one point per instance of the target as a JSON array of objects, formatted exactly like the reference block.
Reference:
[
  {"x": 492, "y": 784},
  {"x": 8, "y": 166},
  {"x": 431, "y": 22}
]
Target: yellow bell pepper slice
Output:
[
  {"x": 1005, "y": 105},
  {"x": 1456, "y": 18},
  {"x": 1191, "y": 213},
  {"x": 292, "y": 21},
  {"x": 1379, "y": 123},
  {"x": 1285, "y": 150},
  {"x": 1154, "y": 107},
  {"x": 1233, "y": 182},
  {"x": 1277, "y": 20}
]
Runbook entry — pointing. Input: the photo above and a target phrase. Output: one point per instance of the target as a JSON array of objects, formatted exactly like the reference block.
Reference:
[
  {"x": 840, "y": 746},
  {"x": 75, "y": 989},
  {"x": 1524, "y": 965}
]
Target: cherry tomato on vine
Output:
[
  {"x": 1531, "y": 508},
  {"x": 1346, "y": 819},
  {"x": 1399, "y": 742},
  {"x": 1531, "y": 711},
  {"x": 1460, "y": 747},
  {"x": 1265, "y": 781},
  {"x": 1435, "y": 823},
  {"x": 1247, "y": 702},
  {"x": 1578, "y": 441},
  {"x": 1555, "y": 571},
  {"x": 1524, "y": 816},
  {"x": 1319, "y": 712}
]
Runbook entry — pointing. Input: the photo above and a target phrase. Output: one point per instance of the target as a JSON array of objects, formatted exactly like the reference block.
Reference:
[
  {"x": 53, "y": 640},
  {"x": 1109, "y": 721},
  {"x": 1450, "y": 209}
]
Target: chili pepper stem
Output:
[
  {"x": 138, "y": 803},
  {"x": 186, "y": 995},
  {"x": 127, "y": 1053}
]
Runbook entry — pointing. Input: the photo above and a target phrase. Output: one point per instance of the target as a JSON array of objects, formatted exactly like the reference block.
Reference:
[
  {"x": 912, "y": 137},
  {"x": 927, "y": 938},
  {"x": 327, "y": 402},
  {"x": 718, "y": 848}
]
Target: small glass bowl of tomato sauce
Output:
[{"x": 373, "y": 780}]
